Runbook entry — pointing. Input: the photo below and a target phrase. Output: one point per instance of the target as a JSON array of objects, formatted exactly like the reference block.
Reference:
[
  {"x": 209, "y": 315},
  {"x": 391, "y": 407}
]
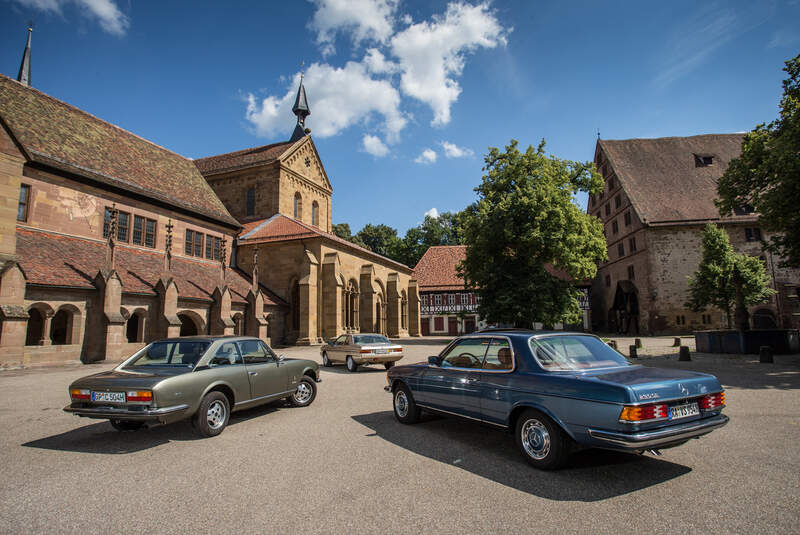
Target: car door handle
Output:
[
  {"x": 471, "y": 380},
  {"x": 253, "y": 373}
]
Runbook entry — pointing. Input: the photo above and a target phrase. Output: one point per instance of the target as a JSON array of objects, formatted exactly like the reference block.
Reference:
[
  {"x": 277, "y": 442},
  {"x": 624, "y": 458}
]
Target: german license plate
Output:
[
  {"x": 683, "y": 411},
  {"x": 109, "y": 397},
  {"x": 381, "y": 351}
]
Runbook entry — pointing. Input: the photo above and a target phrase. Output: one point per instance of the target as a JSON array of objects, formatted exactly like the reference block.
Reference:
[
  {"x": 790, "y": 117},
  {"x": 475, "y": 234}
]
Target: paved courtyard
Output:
[{"x": 344, "y": 465}]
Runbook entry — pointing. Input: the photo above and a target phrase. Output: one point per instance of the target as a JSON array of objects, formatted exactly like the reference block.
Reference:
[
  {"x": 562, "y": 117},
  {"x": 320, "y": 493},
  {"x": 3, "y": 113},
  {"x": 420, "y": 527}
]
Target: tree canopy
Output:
[
  {"x": 525, "y": 221},
  {"x": 767, "y": 174},
  {"x": 715, "y": 281}
]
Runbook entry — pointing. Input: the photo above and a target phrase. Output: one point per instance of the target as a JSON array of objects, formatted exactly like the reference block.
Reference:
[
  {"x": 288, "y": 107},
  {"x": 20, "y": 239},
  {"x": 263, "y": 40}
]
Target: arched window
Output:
[
  {"x": 251, "y": 201},
  {"x": 188, "y": 325},
  {"x": 298, "y": 206},
  {"x": 315, "y": 214},
  {"x": 60, "y": 328},
  {"x": 35, "y": 326},
  {"x": 134, "y": 327}
]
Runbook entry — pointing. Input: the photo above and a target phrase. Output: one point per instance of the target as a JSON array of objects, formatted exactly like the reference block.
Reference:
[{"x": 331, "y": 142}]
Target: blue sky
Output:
[{"x": 406, "y": 96}]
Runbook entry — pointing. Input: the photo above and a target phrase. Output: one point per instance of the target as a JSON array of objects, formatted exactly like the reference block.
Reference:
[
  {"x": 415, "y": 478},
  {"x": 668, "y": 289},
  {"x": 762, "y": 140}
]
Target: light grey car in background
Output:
[{"x": 358, "y": 349}]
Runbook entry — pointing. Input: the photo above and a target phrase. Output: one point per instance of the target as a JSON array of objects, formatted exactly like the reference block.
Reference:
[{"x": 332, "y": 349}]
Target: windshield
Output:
[
  {"x": 174, "y": 353},
  {"x": 370, "y": 339},
  {"x": 567, "y": 353}
]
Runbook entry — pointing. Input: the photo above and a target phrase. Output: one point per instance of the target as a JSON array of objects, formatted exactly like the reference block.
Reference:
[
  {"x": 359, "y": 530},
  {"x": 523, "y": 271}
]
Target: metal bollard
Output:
[
  {"x": 765, "y": 355},
  {"x": 613, "y": 344},
  {"x": 632, "y": 350},
  {"x": 676, "y": 342},
  {"x": 638, "y": 343},
  {"x": 685, "y": 356}
]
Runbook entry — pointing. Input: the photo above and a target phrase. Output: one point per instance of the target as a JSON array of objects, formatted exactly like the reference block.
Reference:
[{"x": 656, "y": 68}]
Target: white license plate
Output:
[
  {"x": 109, "y": 397},
  {"x": 381, "y": 351},
  {"x": 683, "y": 411}
]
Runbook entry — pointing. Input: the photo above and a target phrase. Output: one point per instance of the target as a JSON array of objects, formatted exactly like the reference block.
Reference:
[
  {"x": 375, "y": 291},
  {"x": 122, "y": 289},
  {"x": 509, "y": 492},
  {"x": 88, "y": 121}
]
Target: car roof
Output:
[
  {"x": 525, "y": 333},
  {"x": 206, "y": 338}
]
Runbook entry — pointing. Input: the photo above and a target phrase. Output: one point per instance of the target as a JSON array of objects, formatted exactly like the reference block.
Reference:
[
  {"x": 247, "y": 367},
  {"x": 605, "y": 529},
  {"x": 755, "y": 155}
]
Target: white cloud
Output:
[
  {"x": 451, "y": 150},
  {"x": 428, "y": 156},
  {"x": 432, "y": 54},
  {"x": 339, "y": 98},
  {"x": 365, "y": 20},
  {"x": 377, "y": 63},
  {"x": 432, "y": 213},
  {"x": 373, "y": 145},
  {"x": 111, "y": 19}
]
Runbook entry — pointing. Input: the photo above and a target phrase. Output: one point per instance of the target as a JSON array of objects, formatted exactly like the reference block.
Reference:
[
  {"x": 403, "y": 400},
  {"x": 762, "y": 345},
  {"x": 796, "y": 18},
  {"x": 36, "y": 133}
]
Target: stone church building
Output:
[
  {"x": 108, "y": 241},
  {"x": 658, "y": 196}
]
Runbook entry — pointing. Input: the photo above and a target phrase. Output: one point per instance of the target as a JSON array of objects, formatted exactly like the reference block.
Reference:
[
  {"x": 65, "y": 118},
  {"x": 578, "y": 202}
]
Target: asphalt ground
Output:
[{"x": 344, "y": 465}]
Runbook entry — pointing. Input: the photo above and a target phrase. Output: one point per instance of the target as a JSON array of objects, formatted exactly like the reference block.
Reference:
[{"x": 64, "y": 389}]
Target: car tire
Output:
[
  {"x": 352, "y": 367},
  {"x": 305, "y": 393},
  {"x": 403, "y": 405},
  {"x": 213, "y": 415},
  {"x": 388, "y": 365},
  {"x": 325, "y": 360},
  {"x": 541, "y": 441},
  {"x": 126, "y": 425}
]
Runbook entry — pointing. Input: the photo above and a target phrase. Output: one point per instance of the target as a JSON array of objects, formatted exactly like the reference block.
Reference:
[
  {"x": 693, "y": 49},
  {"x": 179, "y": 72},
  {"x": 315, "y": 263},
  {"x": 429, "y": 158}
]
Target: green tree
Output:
[
  {"x": 343, "y": 231},
  {"x": 525, "y": 219},
  {"x": 381, "y": 239},
  {"x": 446, "y": 229},
  {"x": 715, "y": 281},
  {"x": 766, "y": 175}
]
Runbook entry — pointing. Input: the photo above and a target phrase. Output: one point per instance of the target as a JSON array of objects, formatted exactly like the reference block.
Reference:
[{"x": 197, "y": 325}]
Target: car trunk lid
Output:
[
  {"x": 658, "y": 384},
  {"x": 122, "y": 378}
]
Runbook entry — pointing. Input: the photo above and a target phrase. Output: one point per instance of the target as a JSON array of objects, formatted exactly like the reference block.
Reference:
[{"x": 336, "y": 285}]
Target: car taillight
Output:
[
  {"x": 80, "y": 393},
  {"x": 365, "y": 351},
  {"x": 643, "y": 413},
  {"x": 140, "y": 395},
  {"x": 712, "y": 401}
]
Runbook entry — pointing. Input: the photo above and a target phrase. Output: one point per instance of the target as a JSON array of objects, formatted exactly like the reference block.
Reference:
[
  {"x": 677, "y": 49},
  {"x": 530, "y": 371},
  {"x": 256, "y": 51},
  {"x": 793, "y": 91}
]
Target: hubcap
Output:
[
  {"x": 351, "y": 364},
  {"x": 325, "y": 359},
  {"x": 216, "y": 415},
  {"x": 535, "y": 439},
  {"x": 303, "y": 393},
  {"x": 401, "y": 404}
]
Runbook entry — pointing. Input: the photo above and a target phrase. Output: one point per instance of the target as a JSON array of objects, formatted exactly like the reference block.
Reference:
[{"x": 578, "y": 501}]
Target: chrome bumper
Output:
[
  {"x": 660, "y": 437},
  {"x": 124, "y": 414}
]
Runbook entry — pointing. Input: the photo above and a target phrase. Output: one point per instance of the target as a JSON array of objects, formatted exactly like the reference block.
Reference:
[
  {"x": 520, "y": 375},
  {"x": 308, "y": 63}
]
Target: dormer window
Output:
[{"x": 703, "y": 160}]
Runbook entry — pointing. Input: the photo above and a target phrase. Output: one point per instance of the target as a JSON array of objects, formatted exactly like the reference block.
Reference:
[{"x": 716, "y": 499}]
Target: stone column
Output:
[
  {"x": 13, "y": 318},
  {"x": 220, "y": 317},
  {"x": 413, "y": 309},
  {"x": 308, "y": 300},
  {"x": 170, "y": 325},
  {"x": 366, "y": 301},
  {"x": 392, "y": 306},
  {"x": 110, "y": 287},
  {"x": 333, "y": 320}
]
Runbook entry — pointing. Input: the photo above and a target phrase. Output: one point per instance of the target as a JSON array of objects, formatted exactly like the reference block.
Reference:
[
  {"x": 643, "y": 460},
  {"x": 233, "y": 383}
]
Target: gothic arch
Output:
[
  {"x": 39, "y": 315},
  {"x": 135, "y": 325},
  {"x": 191, "y": 323},
  {"x": 65, "y": 326},
  {"x": 238, "y": 324}
]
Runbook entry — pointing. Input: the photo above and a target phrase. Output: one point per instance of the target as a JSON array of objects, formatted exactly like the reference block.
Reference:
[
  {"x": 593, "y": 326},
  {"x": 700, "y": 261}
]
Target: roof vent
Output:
[{"x": 703, "y": 160}]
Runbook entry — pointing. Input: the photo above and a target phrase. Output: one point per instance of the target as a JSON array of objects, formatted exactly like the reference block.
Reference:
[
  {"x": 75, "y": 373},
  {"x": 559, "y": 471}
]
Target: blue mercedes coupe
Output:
[{"x": 557, "y": 392}]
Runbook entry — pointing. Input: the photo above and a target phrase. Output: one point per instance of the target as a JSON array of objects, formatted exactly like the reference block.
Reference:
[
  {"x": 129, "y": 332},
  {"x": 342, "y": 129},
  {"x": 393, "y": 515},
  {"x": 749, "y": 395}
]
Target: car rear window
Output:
[
  {"x": 176, "y": 353},
  {"x": 574, "y": 352},
  {"x": 370, "y": 339}
]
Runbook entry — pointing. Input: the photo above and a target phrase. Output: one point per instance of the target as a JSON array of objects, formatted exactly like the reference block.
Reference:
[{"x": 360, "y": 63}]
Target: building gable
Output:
[{"x": 303, "y": 159}]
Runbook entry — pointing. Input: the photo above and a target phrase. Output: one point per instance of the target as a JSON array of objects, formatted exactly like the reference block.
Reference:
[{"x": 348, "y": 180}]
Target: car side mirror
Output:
[
  {"x": 281, "y": 358},
  {"x": 435, "y": 361}
]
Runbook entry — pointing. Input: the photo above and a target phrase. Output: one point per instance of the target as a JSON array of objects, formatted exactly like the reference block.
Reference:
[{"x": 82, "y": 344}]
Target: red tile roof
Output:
[
  {"x": 61, "y": 136},
  {"x": 280, "y": 228},
  {"x": 56, "y": 260},
  {"x": 436, "y": 270},
  {"x": 661, "y": 177},
  {"x": 241, "y": 159}
]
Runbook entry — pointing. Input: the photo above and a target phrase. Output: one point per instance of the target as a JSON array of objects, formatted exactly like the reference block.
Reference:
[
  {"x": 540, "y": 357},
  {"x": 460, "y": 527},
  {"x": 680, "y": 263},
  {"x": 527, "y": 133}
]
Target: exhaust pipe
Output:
[{"x": 654, "y": 452}]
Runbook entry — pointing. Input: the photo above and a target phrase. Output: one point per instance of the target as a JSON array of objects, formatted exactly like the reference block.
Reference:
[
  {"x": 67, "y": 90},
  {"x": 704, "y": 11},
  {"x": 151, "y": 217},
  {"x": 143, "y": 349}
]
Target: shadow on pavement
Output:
[
  {"x": 100, "y": 437},
  {"x": 590, "y": 475},
  {"x": 740, "y": 371},
  {"x": 340, "y": 368}
]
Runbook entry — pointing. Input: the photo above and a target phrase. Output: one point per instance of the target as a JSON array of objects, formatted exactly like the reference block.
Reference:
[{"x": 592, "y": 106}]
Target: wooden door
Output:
[{"x": 452, "y": 326}]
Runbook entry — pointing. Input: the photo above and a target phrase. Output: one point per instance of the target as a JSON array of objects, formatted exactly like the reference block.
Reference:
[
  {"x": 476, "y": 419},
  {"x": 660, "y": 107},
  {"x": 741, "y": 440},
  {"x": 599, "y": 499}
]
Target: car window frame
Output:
[
  {"x": 236, "y": 348},
  {"x": 544, "y": 369},
  {"x": 270, "y": 356},
  {"x": 336, "y": 341},
  {"x": 481, "y": 369}
]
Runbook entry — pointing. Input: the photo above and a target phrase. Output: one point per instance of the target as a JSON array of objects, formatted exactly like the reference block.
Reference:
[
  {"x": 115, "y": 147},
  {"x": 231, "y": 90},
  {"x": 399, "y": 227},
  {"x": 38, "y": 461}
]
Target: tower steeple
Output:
[
  {"x": 24, "y": 75},
  {"x": 301, "y": 110}
]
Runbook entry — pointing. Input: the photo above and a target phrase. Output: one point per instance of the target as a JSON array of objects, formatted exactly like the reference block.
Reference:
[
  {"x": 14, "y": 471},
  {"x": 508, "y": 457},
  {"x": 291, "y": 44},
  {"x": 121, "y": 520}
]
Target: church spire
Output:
[
  {"x": 301, "y": 110},
  {"x": 24, "y": 75}
]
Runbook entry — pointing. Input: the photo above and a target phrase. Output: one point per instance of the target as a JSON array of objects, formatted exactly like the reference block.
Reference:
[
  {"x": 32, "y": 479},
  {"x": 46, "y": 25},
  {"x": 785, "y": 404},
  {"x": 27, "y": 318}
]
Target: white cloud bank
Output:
[
  {"x": 427, "y": 157},
  {"x": 432, "y": 213},
  {"x": 451, "y": 150},
  {"x": 421, "y": 61},
  {"x": 111, "y": 19}
]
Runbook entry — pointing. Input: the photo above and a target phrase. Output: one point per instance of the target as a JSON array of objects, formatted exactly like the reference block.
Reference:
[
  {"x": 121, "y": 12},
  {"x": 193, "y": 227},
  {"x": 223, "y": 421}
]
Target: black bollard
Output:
[
  {"x": 685, "y": 356},
  {"x": 676, "y": 342},
  {"x": 765, "y": 355},
  {"x": 613, "y": 344},
  {"x": 632, "y": 350},
  {"x": 638, "y": 343}
]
